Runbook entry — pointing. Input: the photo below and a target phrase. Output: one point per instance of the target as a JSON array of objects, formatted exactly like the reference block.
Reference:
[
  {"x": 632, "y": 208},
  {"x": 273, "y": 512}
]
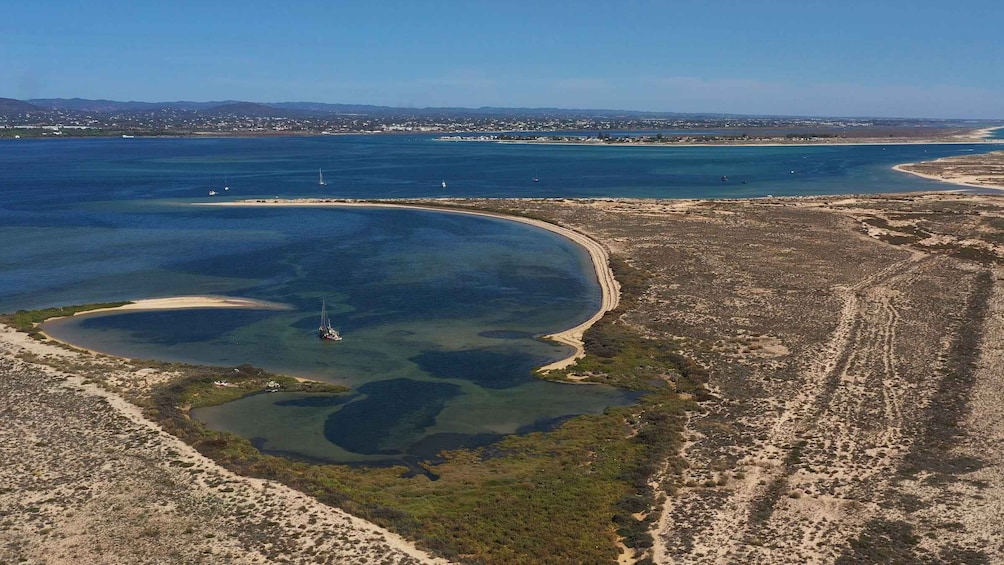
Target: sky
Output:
[{"x": 888, "y": 58}]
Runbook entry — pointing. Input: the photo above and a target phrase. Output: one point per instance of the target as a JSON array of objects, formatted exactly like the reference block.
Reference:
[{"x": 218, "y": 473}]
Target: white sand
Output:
[
  {"x": 974, "y": 181},
  {"x": 185, "y": 302}
]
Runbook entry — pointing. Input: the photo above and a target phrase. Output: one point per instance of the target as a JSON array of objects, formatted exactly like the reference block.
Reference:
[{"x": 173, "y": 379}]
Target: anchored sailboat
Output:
[{"x": 325, "y": 331}]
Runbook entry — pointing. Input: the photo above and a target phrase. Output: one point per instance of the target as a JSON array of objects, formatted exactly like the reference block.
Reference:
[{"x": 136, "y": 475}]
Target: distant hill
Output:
[
  {"x": 83, "y": 108},
  {"x": 109, "y": 106},
  {"x": 232, "y": 108},
  {"x": 321, "y": 109},
  {"x": 250, "y": 109},
  {"x": 10, "y": 106}
]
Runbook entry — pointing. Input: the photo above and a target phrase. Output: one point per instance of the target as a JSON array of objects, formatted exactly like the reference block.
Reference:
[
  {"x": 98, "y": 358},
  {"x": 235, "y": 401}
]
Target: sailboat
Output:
[
  {"x": 325, "y": 331},
  {"x": 320, "y": 178},
  {"x": 444, "y": 184}
]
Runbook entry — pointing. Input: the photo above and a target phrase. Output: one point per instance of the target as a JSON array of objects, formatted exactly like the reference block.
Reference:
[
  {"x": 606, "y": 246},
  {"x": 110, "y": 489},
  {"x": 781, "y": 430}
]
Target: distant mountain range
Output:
[
  {"x": 302, "y": 109},
  {"x": 68, "y": 110},
  {"x": 10, "y": 106}
]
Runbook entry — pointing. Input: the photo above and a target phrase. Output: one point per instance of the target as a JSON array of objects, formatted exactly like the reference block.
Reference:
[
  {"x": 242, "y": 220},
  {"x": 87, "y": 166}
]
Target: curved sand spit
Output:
[
  {"x": 973, "y": 181},
  {"x": 185, "y": 302},
  {"x": 609, "y": 287}
]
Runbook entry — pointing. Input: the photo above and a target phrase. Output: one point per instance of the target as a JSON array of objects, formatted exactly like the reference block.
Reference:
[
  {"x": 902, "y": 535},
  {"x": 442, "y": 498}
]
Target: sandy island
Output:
[
  {"x": 609, "y": 288},
  {"x": 976, "y": 171},
  {"x": 193, "y": 302},
  {"x": 177, "y": 303}
]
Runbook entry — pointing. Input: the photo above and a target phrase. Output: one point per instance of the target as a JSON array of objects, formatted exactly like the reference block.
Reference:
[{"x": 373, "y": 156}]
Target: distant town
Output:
[{"x": 61, "y": 117}]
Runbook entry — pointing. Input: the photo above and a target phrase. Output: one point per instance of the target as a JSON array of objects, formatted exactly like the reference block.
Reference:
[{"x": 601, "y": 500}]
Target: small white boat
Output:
[
  {"x": 320, "y": 178},
  {"x": 212, "y": 193},
  {"x": 225, "y": 183},
  {"x": 444, "y": 184}
]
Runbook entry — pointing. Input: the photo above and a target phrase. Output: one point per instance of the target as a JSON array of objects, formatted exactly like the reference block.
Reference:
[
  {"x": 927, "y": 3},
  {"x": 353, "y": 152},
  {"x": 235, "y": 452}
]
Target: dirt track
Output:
[{"x": 839, "y": 333}]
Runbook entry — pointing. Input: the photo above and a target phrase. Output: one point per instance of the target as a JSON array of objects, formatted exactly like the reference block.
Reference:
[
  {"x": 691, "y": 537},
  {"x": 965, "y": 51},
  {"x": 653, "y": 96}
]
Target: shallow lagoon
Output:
[{"x": 438, "y": 313}]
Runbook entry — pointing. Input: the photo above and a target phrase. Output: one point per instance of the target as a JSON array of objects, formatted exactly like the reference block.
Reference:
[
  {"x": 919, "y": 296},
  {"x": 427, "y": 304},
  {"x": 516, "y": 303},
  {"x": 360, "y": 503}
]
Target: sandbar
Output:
[
  {"x": 609, "y": 287},
  {"x": 193, "y": 302},
  {"x": 985, "y": 170}
]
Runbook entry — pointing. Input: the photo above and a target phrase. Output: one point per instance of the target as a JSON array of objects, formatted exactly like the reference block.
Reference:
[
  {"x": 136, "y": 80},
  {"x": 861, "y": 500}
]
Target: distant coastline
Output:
[{"x": 979, "y": 136}]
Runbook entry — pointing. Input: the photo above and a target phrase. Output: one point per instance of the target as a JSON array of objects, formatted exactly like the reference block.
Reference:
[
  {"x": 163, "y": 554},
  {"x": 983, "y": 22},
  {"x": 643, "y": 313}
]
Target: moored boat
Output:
[{"x": 325, "y": 331}]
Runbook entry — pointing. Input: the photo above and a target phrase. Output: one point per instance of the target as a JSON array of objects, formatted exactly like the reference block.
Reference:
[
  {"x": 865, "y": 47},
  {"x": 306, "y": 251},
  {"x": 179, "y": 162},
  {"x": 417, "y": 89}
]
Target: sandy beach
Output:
[
  {"x": 177, "y": 303},
  {"x": 609, "y": 288},
  {"x": 193, "y": 302},
  {"x": 976, "y": 171},
  {"x": 986, "y": 133}
]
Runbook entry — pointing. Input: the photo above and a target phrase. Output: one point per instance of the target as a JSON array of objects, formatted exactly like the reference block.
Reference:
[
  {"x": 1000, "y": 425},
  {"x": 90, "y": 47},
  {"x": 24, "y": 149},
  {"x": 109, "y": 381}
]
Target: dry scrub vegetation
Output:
[
  {"x": 855, "y": 349},
  {"x": 974, "y": 170},
  {"x": 86, "y": 479}
]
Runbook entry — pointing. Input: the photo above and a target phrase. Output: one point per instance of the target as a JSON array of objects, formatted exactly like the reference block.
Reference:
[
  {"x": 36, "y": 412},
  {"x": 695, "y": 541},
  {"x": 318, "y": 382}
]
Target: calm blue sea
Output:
[{"x": 439, "y": 311}]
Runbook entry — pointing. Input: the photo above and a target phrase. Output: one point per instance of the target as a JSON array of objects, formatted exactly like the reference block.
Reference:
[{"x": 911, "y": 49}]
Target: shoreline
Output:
[
  {"x": 598, "y": 255},
  {"x": 188, "y": 302},
  {"x": 191, "y": 302},
  {"x": 954, "y": 171},
  {"x": 978, "y": 136},
  {"x": 985, "y": 133},
  {"x": 975, "y": 137},
  {"x": 956, "y": 181},
  {"x": 863, "y": 142}
]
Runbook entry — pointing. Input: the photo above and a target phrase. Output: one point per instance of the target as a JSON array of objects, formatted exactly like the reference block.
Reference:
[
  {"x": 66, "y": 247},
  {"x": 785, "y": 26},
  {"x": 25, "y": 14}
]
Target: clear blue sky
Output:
[{"x": 924, "y": 58}]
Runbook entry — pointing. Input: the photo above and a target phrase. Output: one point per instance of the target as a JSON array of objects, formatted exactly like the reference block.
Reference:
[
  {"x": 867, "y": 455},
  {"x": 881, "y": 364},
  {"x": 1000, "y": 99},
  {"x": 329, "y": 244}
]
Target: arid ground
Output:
[
  {"x": 855, "y": 347},
  {"x": 981, "y": 171}
]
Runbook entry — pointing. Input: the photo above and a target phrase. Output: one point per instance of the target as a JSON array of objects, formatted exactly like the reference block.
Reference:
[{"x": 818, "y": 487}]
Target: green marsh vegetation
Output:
[
  {"x": 563, "y": 496},
  {"x": 27, "y": 320}
]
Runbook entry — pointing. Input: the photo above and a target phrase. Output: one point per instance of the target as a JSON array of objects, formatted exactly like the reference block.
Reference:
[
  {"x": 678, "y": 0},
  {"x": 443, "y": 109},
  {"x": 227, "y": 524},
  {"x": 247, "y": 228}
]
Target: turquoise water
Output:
[{"x": 439, "y": 311}]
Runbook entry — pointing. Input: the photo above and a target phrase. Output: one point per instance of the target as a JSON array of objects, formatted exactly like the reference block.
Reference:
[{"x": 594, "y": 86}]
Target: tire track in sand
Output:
[{"x": 825, "y": 441}]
